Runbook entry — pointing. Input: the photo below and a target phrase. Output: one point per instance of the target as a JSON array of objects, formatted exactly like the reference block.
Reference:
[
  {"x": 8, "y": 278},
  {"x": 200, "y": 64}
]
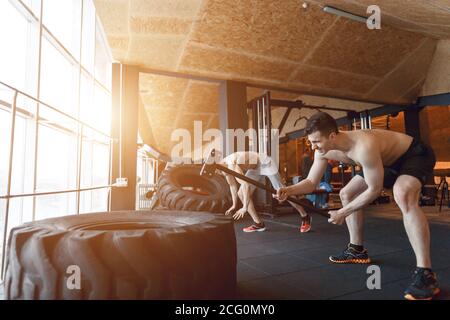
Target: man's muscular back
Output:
[
  {"x": 246, "y": 160},
  {"x": 389, "y": 145}
]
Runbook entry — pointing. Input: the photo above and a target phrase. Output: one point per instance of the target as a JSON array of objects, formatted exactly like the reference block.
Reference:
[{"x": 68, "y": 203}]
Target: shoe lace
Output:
[
  {"x": 419, "y": 278},
  {"x": 351, "y": 251},
  {"x": 347, "y": 251}
]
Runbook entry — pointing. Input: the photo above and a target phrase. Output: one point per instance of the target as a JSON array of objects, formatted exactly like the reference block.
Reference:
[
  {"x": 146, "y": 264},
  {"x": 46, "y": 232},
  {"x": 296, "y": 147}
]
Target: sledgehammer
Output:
[{"x": 209, "y": 167}]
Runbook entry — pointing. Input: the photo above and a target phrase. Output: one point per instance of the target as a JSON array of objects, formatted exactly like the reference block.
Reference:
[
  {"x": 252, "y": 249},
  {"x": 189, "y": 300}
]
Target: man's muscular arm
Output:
[
  {"x": 370, "y": 159},
  {"x": 309, "y": 184}
]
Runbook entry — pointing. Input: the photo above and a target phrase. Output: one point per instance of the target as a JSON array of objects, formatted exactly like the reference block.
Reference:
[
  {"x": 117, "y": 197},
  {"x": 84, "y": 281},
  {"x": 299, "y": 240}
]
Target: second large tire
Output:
[
  {"x": 182, "y": 188},
  {"x": 123, "y": 255}
]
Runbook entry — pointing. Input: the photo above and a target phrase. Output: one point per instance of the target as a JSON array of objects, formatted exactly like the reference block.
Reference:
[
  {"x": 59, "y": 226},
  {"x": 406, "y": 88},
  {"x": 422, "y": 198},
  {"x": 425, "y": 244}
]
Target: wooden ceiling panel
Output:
[
  {"x": 165, "y": 8},
  {"x": 430, "y": 18},
  {"x": 114, "y": 15},
  {"x": 244, "y": 66},
  {"x": 270, "y": 43},
  {"x": 394, "y": 86},
  {"x": 202, "y": 97},
  {"x": 282, "y": 30},
  {"x": 146, "y": 51},
  {"x": 334, "y": 79},
  {"x": 161, "y": 91},
  {"x": 354, "y": 48},
  {"x": 159, "y": 25}
]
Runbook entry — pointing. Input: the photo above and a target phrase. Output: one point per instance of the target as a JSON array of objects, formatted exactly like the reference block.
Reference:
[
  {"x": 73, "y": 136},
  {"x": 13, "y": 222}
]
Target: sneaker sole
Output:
[
  {"x": 353, "y": 261},
  {"x": 309, "y": 228},
  {"x": 410, "y": 297},
  {"x": 304, "y": 231},
  {"x": 256, "y": 230}
]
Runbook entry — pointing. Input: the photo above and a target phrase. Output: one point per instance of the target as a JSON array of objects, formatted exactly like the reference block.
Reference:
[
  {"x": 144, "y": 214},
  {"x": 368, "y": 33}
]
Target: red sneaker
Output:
[
  {"x": 255, "y": 227},
  {"x": 306, "y": 224}
]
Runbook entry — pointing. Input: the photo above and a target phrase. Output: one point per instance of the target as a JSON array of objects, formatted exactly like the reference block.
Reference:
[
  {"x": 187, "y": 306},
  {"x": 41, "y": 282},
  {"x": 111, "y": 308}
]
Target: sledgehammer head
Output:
[{"x": 209, "y": 167}]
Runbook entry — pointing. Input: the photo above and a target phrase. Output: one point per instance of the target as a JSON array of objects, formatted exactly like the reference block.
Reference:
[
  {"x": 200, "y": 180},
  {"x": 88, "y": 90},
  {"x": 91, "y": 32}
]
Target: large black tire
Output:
[
  {"x": 124, "y": 255},
  {"x": 182, "y": 188}
]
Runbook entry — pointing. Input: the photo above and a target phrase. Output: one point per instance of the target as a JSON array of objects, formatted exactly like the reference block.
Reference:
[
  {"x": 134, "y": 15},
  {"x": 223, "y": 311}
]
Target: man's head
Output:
[{"x": 321, "y": 129}]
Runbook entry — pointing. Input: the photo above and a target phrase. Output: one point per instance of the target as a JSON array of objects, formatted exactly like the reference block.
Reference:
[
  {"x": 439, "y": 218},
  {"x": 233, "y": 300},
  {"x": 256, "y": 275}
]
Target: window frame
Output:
[{"x": 15, "y": 110}]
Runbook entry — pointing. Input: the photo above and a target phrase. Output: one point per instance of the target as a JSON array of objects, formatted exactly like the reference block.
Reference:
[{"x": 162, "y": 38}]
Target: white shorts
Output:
[{"x": 275, "y": 181}]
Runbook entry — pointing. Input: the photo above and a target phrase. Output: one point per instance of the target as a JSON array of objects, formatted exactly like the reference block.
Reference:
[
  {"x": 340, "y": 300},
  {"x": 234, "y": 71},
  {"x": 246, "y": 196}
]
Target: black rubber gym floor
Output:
[{"x": 282, "y": 263}]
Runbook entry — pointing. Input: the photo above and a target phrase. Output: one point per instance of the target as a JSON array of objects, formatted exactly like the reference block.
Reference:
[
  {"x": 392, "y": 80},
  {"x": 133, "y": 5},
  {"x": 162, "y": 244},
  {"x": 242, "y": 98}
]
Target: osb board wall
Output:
[
  {"x": 396, "y": 123},
  {"x": 171, "y": 103},
  {"x": 277, "y": 43},
  {"x": 438, "y": 77},
  {"x": 290, "y": 162},
  {"x": 435, "y": 130},
  {"x": 144, "y": 127}
]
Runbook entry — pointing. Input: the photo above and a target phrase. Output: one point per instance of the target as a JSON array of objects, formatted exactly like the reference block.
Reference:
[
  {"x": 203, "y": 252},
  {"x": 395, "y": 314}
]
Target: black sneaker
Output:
[
  {"x": 423, "y": 287},
  {"x": 351, "y": 255}
]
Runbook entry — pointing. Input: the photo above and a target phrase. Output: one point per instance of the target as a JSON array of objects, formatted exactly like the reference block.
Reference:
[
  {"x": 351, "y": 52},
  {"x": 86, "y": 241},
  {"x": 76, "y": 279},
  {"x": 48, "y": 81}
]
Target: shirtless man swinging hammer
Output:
[{"x": 388, "y": 159}]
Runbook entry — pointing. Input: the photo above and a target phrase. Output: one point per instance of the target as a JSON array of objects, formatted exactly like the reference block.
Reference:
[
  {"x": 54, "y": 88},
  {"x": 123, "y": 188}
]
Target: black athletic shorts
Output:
[{"x": 418, "y": 161}]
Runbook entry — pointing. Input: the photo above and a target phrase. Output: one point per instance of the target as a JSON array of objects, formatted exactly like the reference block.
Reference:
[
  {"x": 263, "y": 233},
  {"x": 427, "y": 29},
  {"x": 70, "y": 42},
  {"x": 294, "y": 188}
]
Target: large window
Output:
[
  {"x": 63, "y": 20},
  {"x": 19, "y": 50},
  {"x": 59, "y": 78},
  {"x": 55, "y": 74},
  {"x": 4, "y": 148}
]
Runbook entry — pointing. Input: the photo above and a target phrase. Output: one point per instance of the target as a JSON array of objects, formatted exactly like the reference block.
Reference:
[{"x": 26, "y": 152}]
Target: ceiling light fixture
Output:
[{"x": 344, "y": 14}]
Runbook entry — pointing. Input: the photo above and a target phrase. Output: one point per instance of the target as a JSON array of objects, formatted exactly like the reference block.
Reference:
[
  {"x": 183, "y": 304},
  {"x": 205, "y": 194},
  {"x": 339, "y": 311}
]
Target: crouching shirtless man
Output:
[
  {"x": 388, "y": 159},
  {"x": 254, "y": 166}
]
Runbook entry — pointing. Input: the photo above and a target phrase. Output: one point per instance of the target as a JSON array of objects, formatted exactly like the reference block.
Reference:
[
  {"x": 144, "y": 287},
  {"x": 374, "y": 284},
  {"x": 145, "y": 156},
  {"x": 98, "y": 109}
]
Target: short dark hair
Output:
[{"x": 322, "y": 122}]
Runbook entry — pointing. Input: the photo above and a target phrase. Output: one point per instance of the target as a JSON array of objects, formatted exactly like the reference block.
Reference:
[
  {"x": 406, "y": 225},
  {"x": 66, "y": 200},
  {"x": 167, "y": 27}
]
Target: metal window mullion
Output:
[
  {"x": 24, "y": 166},
  {"x": 80, "y": 126},
  {"x": 79, "y": 162},
  {"x": 153, "y": 164},
  {"x": 100, "y": 84},
  {"x": 109, "y": 91},
  {"x": 20, "y": 111},
  {"x": 23, "y": 195},
  {"x": 96, "y": 81},
  {"x": 59, "y": 46},
  {"x": 24, "y": 10},
  {"x": 111, "y": 141},
  {"x": 44, "y": 122},
  {"x": 8, "y": 185},
  {"x": 269, "y": 125},
  {"x": 258, "y": 124},
  {"x": 110, "y": 173},
  {"x": 92, "y": 168},
  {"x": 36, "y": 122},
  {"x": 57, "y": 110}
]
